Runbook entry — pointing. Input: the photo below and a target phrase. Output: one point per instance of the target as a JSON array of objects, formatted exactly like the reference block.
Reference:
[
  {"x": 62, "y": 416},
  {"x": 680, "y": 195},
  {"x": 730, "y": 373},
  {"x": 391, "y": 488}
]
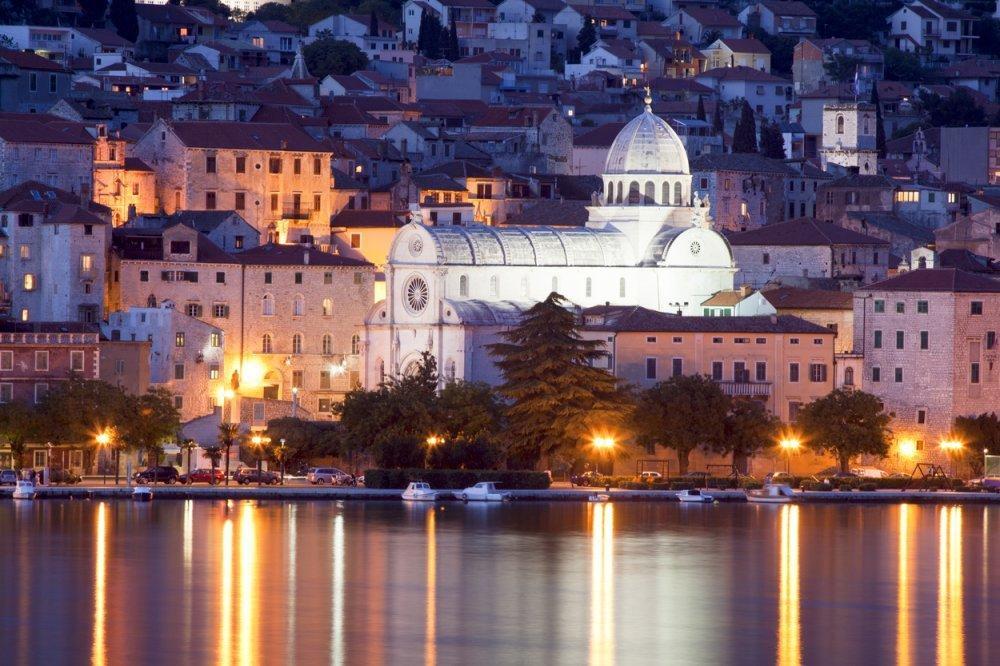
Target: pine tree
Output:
[
  {"x": 745, "y": 134},
  {"x": 879, "y": 127},
  {"x": 701, "y": 108},
  {"x": 92, "y": 12},
  {"x": 718, "y": 124},
  {"x": 587, "y": 36},
  {"x": 123, "y": 15},
  {"x": 431, "y": 32},
  {"x": 373, "y": 25},
  {"x": 556, "y": 397},
  {"x": 452, "y": 50},
  {"x": 772, "y": 142}
]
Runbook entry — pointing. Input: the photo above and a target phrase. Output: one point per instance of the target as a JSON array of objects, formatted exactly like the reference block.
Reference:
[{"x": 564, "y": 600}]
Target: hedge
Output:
[{"x": 456, "y": 479}]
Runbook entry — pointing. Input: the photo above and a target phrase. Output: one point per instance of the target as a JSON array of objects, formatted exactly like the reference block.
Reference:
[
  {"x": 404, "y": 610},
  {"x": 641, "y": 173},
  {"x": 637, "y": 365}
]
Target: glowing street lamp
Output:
[
  {"x": 789, "y": 444},
  {"x": 907, "y": 448},
  {"x": 103, "y": 439},
  {"x": 951, "y": 445},
  {"x": 259, "y": 443}
]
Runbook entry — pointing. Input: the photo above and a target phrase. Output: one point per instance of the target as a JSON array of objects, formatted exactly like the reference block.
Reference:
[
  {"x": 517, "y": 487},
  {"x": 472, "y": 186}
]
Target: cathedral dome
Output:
[{"x": 648, "y": 145}]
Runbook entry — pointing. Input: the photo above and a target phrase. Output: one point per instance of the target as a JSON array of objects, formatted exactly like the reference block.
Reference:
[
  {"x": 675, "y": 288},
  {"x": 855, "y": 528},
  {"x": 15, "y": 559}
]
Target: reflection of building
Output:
[
  {"x": 289, "y": 313},
  {"x": 451, "y": 288},
  {"x": 929, "y": 339}
]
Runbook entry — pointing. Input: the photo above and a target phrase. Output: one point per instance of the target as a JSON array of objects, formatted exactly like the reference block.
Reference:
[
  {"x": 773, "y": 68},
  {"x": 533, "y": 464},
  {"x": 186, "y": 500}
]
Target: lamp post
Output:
[
  {"x": 604, "y": 445},
  {"x": 103, "y": 439},
  {"x": 953, "y": 447},
  {"x": 282, "y": 449},
  {"x": 48, "y": 462},
  {"x": 788, "y": 445},
  {"x": 227, "y": 397},
  {"x": 259, "y": 443},
  {"x": 432, "y": 441},
  {"x": 295, "y": 401}
]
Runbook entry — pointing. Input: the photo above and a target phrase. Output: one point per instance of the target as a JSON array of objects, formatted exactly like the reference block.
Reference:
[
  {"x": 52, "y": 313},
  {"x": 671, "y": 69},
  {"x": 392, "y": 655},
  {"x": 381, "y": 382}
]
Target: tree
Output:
[
  {"x": 772, "y": 142},
  {"x": 842, "y": 68},
  {"x": 452, "y": 50},
  {"x": 749, "y": 428},
  {"x": 150, "y": 420},
  {"x": 700, "y": 113},
  {"x": 123, "y": 15},
  {"x": 851, "y": 19},
  {"x": 333, "y": 56},
  {"x": 988, "y": 31},
  {"x": 745, "y": 134},
  {"x": 304, "y": 440},
  {"x": 373, "y": 24},
  {"x": 18, "y": 425},
  {"x": 76, "y": 410},
  {"x": 469, "y": 415},
  {"x": 556, "y": 397},
  {"x": 980, "y": 434},
  {"x": 846, "y": 424},
  {"x": 228, "y": 435},
  {"x": 587, "y": 36},
  {"x": 879, "y": 126},
  {"x": 709, "y": 37},
  {"x": 429, "y": 37},
  {"x": 718, "y": 124},
  {"x": 902, "y": 66},
  {"x": 92, "y": 12},
  {"x": 959, "y": 109},
  {"x": 782, "y": 49},
  {"x": 271, "y": 11},
  {"x": 214, "y": 455},
  {"x": 683, "y": 413}
]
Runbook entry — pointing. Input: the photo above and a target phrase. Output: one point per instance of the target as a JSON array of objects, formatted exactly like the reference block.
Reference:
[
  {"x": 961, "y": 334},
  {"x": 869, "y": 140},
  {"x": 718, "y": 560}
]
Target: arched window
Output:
[
  {"x": 677, "y": 193},
  {"x": 922, "y": 262},
  {"x": 267, "y": 305},
  {"x": 355, "y": 344},
  {"x": 840, "y": 124},
  {"x": 621, "y": 287},
  {"x": 848, "y": 376},
  {"x": 618, "y": 199},
  {"x": 555, "y": 284},
  {"x": 494, "y": 286},
  {"x": 299, "y": 305},
  {"x": 327, "y": 307},
  {"x": 633, "y": 192},
  {"x": 609, "y": 188},
  {"x": 266, "y": 345},
  {"x": 327, "y": 344},
  {"x": 590, "y": 285},
  {"x": 297, "y": 343},
  {"x": 650, "y": 193},
  {"x": 666, "y": 193},
  {"x": 463, "y": 285}
]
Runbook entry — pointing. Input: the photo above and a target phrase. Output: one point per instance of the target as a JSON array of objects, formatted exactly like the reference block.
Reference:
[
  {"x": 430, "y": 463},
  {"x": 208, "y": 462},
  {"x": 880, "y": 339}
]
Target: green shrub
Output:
[
  {"x": 456, "y": 479},
  {"x": 813, "y": 485},
  {"x": 750, "y": 484},
  {"x": 868, "y": 487},
  {"x": 845, "y": 487}
]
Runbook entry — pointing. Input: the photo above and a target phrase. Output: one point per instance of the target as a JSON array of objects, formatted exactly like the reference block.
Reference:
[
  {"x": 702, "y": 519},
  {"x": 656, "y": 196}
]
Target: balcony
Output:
[{"x": 745, "y": 389}]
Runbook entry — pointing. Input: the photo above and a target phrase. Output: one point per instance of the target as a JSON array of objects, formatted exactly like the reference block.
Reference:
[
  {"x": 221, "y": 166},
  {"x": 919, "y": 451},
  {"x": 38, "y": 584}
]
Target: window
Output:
[
  {"x": 86, "y": 263},
  {"x": 297, "y": 343},
  {"x": 296, "y": 379},
  {"x": 767, "y": 258},
  {"x": 900, "y": 308},
  {"x": 740, "y": 372},
  {"x": 355, "y": 344},
  {"x": 876, "y": 374},
  {"x": 179, "y": 339},
  {"x": 840, "y": 124},
  {"x": 900, "y": 340},
  {"x": 974, "y": 373},
  {"x": 907, "y": 196},
  {"x": 76, "y": 361},
  {"x": 924, "y": 340},
  {"x": 879, "y": 306},
  {"x": 298, "y": 278},
  {"x": 328, "y": 278},
  {"x": 33, "y": 82},
  {"x": 215, "y": 339},
  {"x": 848, "y": 376},
  {"x": 760, "y": 341},
  {"x": 6, "y": 360},
  {"x": 210, "y": 164},
  {"x": 274, "y": 165},
  {"x": 794, "y": 407},
  {"x": 178, "y": 371},
  {"x": 241, "y": 165},
  {"x": 180, "y": 247},
  {"x": 41, "y": 361},
  {"x": 267, "y": 278},
  {"x": 921, "y": 416},
  {"x": 266, "y": 344},
  {"x": 991, "y": 339},
  {"x": 327, "y": 346},
  {"x": 213, "y": 371},
  {"x": 317, "y": 166},
  {"x": 922, "y": 307},
  {"x": 716, "y": 341},
  {"x": 240, "y": 202},
  {"x": 6, "y": 392},
  {"x": 327, "y": 307},
  {"x": 817, "y": 341},
  {"x": 324, "y": 380},
  {"x": 355, "y": 241},
  {"x": 267, "y": 306},
  {"x": 976, "y": 308},
  {"x": 793, "y": 341},
  {"x": 29, "y": 282},
  {"x": 761, "y": 371},
  {"x": 297, "y": 166},
  {"x": 298, "y": 306},
  {"x": 793, "y": 372},
  {"x": 178, "y": 402},
  {"x": 678, "y": 367},
  {"x": 41, "y": 390},
  {"x": 193, "y": 309},
  {"x": 650, "y": 368},
  {"x": 274, "y": 203},
  {"x": 817, "y": 372},
  {"x": 143, "y": 276},
  {"x": 898, "y": 375},
  {"x": 220, "y": 311},
  {"x": 717, "y": 370}
]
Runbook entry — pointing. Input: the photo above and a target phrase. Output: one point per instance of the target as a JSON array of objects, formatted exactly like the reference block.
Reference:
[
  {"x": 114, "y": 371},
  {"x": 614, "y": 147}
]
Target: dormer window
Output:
[{"x": 180, "y": 247}]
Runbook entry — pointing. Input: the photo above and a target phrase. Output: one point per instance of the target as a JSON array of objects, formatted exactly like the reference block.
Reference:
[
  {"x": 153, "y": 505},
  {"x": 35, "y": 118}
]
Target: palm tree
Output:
[
  {"x": 229, "y": 434},
  {"x": 214, "y": 454},
  {"x": 188, "y": 445}
]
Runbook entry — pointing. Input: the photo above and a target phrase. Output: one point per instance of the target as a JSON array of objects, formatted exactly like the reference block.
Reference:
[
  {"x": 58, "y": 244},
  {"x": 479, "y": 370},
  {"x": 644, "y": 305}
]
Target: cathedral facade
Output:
[{"x": 648, "y": 241}]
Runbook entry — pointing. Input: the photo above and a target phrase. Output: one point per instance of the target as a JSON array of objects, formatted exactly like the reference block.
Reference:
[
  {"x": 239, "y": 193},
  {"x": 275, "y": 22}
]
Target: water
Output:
[{"x": 187, "y": 582}]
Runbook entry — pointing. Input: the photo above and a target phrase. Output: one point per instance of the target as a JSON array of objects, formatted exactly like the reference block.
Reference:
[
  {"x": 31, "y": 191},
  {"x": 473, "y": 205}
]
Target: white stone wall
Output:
[{"x": 65, "y": 166}]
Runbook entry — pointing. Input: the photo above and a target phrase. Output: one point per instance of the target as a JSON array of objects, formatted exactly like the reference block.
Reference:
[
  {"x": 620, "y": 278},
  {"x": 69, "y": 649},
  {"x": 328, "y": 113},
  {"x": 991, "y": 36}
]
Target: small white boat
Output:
[
  {"x": 772, "y": 493},
  {"x": 484, "y": 491},
  {"x": 599, "y": 497},
  {"x": 142, "y": 494},
  {"x": 695, "y": 496},
  {"x": 24, "y": 490},
  {"x": 418, "y": 491}
]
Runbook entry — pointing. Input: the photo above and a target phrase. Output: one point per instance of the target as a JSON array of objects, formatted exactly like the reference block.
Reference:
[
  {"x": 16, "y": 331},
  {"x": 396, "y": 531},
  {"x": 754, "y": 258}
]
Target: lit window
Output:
[
  {"x": 297, "y": 343},
  {"x": 29, "y": 282}
]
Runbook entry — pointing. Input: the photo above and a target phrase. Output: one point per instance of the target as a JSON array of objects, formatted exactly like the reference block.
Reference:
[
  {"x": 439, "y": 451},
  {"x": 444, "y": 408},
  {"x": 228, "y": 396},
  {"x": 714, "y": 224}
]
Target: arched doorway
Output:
[{"x": 271, "y": 385}]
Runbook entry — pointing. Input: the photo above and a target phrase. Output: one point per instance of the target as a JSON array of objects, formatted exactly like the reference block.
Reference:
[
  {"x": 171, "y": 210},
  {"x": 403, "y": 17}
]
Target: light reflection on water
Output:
[{"x": 197, "y": 582}]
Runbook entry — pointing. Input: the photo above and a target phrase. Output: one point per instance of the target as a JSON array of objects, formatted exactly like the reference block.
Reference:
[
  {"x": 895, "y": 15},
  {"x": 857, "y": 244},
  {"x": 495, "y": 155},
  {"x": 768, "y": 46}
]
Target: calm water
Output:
[{"x": 533, "y": 583}]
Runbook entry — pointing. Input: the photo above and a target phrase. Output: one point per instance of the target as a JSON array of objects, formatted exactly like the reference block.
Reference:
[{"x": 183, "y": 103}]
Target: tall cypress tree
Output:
[
  {"x": 92, "y": 12},
  {"x": 422, "y": 33},
  {"x": 701, "y": 108},
  {"x": 373, "y": 24},
  {"x": 745, "y": 134},
  {"x": 556, "y": 398},
  {"x": 718, "y": 124},
  {"x": 879, "y": 127},
  {"x": 123, "y": 15},
  {"x": 772, "y": 142},
  {"x": 452, "y": 50},
  {"x": 587, "y": 36}
]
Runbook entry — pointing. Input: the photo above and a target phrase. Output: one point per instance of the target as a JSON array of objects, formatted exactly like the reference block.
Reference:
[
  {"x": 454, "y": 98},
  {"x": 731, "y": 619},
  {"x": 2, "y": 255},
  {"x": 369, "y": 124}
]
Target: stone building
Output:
[
  {"x": 289, "y": 314},
  {"x": 746, "y": 190},
  {"x": 275, "y": 175},
  {"x": 48, "y": 150},
  {"x": 126, "y": 185},
  {"x": 849, "y": 137},
  {"x": 929, "y": 340},
  {"x": 546, "y": 138},
  {"x": 805, "y": 249},
  {"x": 52, "y": 254},
  {"x": 853, "y": 193},
  {"x": 30, "y": 83}
]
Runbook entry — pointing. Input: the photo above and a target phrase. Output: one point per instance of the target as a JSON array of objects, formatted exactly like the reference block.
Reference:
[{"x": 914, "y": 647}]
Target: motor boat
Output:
[
  {"x": 695, "y": 496},
  {"x": 24, "y": 489},
  {"x": 599, "y": 497},
  {"x": 142, "y": 494},
  {"x": 772, "y": 493},
  {"x": 484, "y": 491},
  {"x": 418, "y": 491}
]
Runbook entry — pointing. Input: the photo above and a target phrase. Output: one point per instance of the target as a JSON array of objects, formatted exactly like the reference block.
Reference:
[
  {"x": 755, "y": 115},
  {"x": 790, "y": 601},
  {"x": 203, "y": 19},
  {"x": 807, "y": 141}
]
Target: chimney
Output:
[
  {"x": 745, "y": 290},
  {"x": 774, "y": 319},
  {"x": 305, "y": 257}
]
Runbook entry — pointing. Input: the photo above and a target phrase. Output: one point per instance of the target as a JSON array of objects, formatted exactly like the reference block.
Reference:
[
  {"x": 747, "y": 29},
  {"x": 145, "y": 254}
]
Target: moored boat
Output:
[
  {"x": 419, "y": 491},
  {"x": 24, "y": 489},
  {"x": 772, "y": 493},
  {"x": 599, "y": 497},
  {"x": 142, "y": 494},
  {"x": 484, "y": 491},
  {"x": 695, "y": 496}
]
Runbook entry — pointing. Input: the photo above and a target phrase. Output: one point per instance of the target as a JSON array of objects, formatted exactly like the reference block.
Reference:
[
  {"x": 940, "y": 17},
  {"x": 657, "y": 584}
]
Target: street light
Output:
[
  {"x": 605, "y": 446},
  {"x": 907, "y": 448},
  {"x": 281, "y": 451},
  {"x": 103, "y": 438},
  {"x": 953, "y": 447},
  {"x": 259, "y": 442},
  {"x": 432, "y": 441},
  {"x": 789, "y": 444}
]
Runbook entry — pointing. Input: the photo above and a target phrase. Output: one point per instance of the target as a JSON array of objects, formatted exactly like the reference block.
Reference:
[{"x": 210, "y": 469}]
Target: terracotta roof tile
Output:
[
  {"x": 938, "y": 279},
  {"x": 803, "y": 231}
]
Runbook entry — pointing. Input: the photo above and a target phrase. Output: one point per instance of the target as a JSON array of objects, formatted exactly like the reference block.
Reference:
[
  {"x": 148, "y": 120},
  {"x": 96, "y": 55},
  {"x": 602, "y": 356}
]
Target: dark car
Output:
[
  {"x": 247, "y": 475},
  {"x": 158, "y": 474},
  {"x": 588, "y": 478},
  {"x": 205, "y": 475},
  {"x": 8, "y": 477},
  {"x": 63, "y": 476}
]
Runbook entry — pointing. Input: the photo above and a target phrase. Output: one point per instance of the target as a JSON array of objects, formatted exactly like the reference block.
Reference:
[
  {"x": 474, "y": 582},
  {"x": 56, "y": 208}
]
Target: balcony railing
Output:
[{"x": 745, "y": 389}]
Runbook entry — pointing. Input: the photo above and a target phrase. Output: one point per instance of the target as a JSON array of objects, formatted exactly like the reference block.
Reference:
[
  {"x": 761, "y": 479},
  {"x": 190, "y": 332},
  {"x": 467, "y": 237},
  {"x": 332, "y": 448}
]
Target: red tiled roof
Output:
[
  {"x": 803, "y": 231},
  {"x": 713, "y": 17},
  {"x": 247, "y": 136},
  {"x": 368, "y": 219},
  {"x": 30, "y": 131},
  {"x": 604, "y": 12},
  {"x": 938, "y": 279},
  {"x": 741, "y": 73},
  {"x": 599, "y": 137},
  {"x": 271, "y": 254},
  {"x": 808, "y": 299},
  {"x": 748, "y": 45},
  {"x": 788, "y": 8},
  {"x": 27, "y": 60}
]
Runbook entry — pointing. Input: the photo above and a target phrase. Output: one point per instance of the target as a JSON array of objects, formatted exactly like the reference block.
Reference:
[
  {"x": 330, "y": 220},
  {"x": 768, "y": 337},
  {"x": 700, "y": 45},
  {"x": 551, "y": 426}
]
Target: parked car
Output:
[
  {"x": 835, "y": 473},
  {"x": 330, "y": 475},
  {"x": 8, "y": 477},
  {"x": 588, "y": 478},
  {"x": 63, "y": 476},
  {"x": 650, "y": 476},
  {"x": 869, "y": 472},
  {"x": 158, "y": 474},
  {"x": 247, "y": 475},
  {"x": 203, "y": 475}
]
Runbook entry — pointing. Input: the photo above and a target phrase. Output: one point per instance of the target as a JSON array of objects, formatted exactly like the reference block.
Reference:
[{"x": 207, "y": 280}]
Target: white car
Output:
[
  {"x": 330, "y": 475},
  {"x": 484, "y": 491},
  {"x": 650, "y": 476},
  {"x": 869, "y": 472}
]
